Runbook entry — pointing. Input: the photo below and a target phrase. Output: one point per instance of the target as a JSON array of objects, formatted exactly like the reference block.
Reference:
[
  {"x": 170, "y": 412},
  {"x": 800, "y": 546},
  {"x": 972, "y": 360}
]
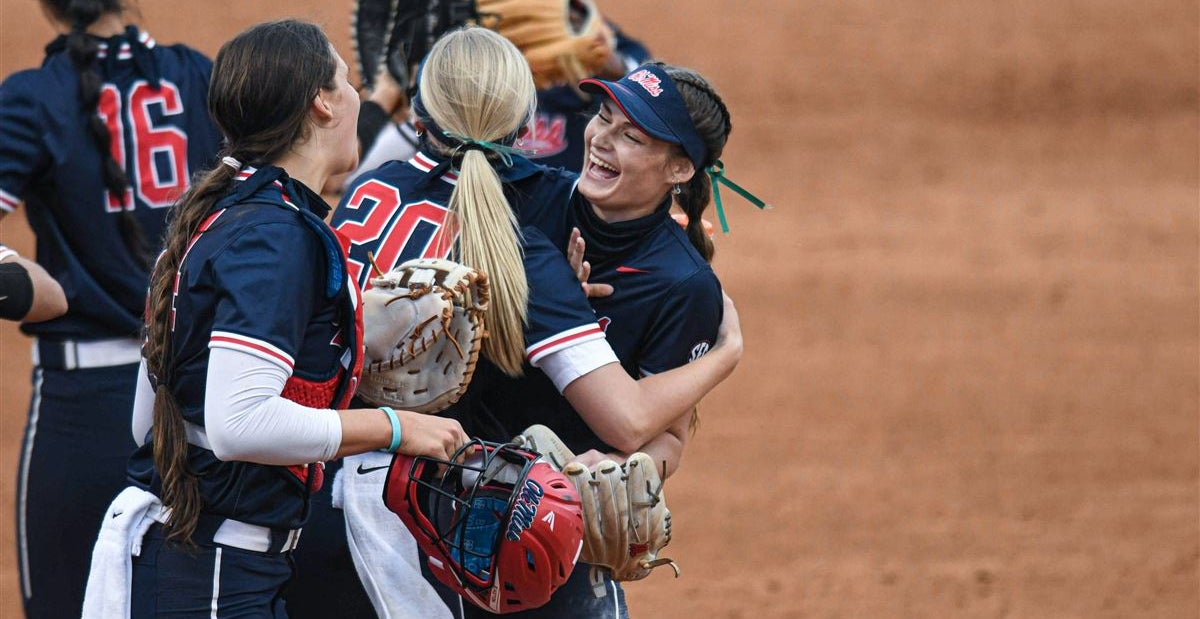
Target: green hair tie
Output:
[
  {"x": 716, "y": 172},
  {"x": 505, "y": 152}
]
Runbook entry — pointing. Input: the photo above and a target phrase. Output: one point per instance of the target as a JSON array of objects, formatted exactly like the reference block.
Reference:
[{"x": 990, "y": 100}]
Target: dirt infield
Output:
[{"x": 972, "y": 320}]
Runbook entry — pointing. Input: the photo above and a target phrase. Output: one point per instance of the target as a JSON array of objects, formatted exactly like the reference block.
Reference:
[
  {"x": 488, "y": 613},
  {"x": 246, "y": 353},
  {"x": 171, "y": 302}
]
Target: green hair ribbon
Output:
[
  {"x": 505, "y": 152},
  {"x": 716, "y": 173}
]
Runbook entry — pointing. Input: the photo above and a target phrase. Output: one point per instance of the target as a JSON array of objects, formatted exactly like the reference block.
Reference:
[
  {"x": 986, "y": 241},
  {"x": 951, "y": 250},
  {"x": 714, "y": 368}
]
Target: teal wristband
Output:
[{"x": 396, "y": 432}]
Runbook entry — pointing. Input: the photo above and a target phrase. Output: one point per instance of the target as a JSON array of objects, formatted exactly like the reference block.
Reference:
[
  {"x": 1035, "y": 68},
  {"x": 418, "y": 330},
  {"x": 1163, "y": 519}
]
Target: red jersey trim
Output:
[
  {"x": 8, "y": 202},
  {"x": 256, "y": 347},
  {"x": 249, "y": 171},
  {"x": 125, "y": 52},
  {"x": 421, "y": 162},
  {"x": 565, "y": 339}
]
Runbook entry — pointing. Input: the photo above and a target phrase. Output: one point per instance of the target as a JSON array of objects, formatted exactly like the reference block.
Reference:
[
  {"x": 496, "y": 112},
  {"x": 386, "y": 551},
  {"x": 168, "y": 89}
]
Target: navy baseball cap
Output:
[{"x": 650, "y": 100}]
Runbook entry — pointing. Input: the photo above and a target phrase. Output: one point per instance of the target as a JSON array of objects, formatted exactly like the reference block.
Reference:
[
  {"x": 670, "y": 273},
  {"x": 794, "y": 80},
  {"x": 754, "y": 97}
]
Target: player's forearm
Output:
[
  {"x": 49, "y": 300},
  {"x": 659, "y": 401},
  {"x": 42, "y": 293},
  {"x": 363, "y": 430},
  {"x": 666, "y": 449},
  {"x": 246, "y": 418},
  {"x": 628, "y": 414},
  {"x": 370, "y": 429}
]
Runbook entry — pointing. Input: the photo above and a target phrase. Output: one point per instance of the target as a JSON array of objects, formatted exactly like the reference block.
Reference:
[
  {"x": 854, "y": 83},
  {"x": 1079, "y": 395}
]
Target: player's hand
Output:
[
  {"x": 389, "y": 94},
  {"x": 593, "y": 457},
  {"x": 430, "y": 435},
  {"x": 582, "y": 269}
]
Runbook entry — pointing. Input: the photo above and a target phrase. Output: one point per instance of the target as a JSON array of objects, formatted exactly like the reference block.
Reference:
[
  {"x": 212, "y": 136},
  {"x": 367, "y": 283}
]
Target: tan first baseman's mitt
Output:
[
  {"x": 544, "y": 441},
  {"x": 626, "y": 522},
  {"x": 422, "y": 328},
  {"x": 563, "y": 40}
]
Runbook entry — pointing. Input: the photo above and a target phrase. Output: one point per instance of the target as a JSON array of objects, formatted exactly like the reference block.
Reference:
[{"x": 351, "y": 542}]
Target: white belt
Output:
[
  {"x": 240, "y": 534},
  {"x": 93, "y": 354},
  {"x": 251, "y": 536},
  {"x": 234, "y": 532}
]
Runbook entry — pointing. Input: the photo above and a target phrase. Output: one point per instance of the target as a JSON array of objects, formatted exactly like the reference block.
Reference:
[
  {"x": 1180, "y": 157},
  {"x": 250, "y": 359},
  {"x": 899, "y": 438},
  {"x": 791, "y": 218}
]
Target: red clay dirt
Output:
[{"x": 972, "y": 320}]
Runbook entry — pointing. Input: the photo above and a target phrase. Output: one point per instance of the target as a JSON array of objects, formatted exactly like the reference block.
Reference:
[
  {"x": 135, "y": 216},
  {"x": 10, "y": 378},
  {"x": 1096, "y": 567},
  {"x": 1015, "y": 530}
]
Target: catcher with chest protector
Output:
[
  {"x": 252, "y": 352},
  {"x": 468, "y": 192}
]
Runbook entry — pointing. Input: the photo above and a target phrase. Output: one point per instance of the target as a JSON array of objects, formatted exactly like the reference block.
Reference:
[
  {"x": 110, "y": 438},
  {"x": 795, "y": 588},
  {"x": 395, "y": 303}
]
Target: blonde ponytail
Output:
[
  {"x": 490, "y": 241},
  {"x": 478, "y": 89}
]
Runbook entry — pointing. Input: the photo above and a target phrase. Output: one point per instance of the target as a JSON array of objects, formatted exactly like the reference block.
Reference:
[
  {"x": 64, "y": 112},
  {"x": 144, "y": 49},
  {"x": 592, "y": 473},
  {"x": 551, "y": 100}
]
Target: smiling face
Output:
[{"x": 627, "y": 173}]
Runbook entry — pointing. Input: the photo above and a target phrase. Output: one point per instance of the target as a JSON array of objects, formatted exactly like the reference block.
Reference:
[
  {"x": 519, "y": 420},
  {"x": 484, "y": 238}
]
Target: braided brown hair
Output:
[
  {"x": 83, "y": 49},
  {"x": 711, "y": 118},
  {"x": 262, "y": 82}
]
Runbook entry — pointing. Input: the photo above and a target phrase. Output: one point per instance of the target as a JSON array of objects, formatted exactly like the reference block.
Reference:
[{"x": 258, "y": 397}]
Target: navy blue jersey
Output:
[
  {"x": 395, "y": 213},
  {"x": 153, "y": 101},
  {"x": 563, "y": 112},
  {"x": 664, "y": 312},
  {"x": 259, "y": 279},
  {"x": 666, "y": 304}
]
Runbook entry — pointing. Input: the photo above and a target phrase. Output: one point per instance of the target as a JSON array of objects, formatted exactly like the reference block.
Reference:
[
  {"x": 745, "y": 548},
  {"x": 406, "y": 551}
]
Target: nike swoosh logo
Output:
[
  {"x": 623, "y": 269},
  {"x": 118, "y": 513},
  {"x": 362, "y": 471}
]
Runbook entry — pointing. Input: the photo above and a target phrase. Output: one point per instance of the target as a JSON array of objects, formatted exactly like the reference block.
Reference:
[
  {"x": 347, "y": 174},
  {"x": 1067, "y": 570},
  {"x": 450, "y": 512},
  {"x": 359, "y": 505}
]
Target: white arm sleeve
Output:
[
  {"x": 564, "y": 366},
  {"x": 247, "y": 419},
  {"x": 143, "y": 406}
]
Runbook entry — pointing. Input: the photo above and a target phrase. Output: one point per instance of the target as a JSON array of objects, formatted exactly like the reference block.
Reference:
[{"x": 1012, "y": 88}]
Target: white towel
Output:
[
  {"x": 111, "y": 576},
  {"x": 385, "y": 553}
]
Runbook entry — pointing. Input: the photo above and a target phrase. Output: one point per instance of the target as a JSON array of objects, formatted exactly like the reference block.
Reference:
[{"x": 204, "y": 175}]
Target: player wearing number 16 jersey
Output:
[{"x": 96, "y": 144}]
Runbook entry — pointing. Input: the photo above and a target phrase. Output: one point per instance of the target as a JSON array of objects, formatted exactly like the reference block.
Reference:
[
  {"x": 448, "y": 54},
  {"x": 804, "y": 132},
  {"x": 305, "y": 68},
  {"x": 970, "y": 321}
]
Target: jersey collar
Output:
[
  {"x": 294, "y": 194},
  {"x": 436, "y": 164}
]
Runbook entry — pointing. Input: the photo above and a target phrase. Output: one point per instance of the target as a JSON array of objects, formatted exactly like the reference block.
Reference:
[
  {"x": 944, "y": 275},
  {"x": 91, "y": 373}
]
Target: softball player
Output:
[
  {"x": 252, "y": 346},
  {"x": 412, "y": 209},
  {"x": 27, "y": 292},
  {"x": 97, "y": 143},
  {"x": 656, "y": 130}
]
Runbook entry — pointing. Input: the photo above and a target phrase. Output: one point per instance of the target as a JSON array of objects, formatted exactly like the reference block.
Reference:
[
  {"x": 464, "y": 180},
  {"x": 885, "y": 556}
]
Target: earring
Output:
[{"x": 677, "y": 190}]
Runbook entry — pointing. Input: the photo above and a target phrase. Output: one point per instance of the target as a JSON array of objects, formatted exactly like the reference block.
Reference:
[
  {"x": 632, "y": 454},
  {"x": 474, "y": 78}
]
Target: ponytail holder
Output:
[
  {"x": 716, "y": 173},
  {"x": 233, "y": 163},
  {"x": 466, "y": 143}
]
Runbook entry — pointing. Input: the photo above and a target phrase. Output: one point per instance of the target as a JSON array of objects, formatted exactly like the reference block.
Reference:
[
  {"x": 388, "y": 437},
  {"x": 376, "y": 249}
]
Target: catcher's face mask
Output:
[{"x": 500, "y": 529}]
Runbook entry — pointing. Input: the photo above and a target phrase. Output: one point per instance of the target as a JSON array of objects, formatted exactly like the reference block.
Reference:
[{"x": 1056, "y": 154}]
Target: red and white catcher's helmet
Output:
[{"x": 502, "y": 529}]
